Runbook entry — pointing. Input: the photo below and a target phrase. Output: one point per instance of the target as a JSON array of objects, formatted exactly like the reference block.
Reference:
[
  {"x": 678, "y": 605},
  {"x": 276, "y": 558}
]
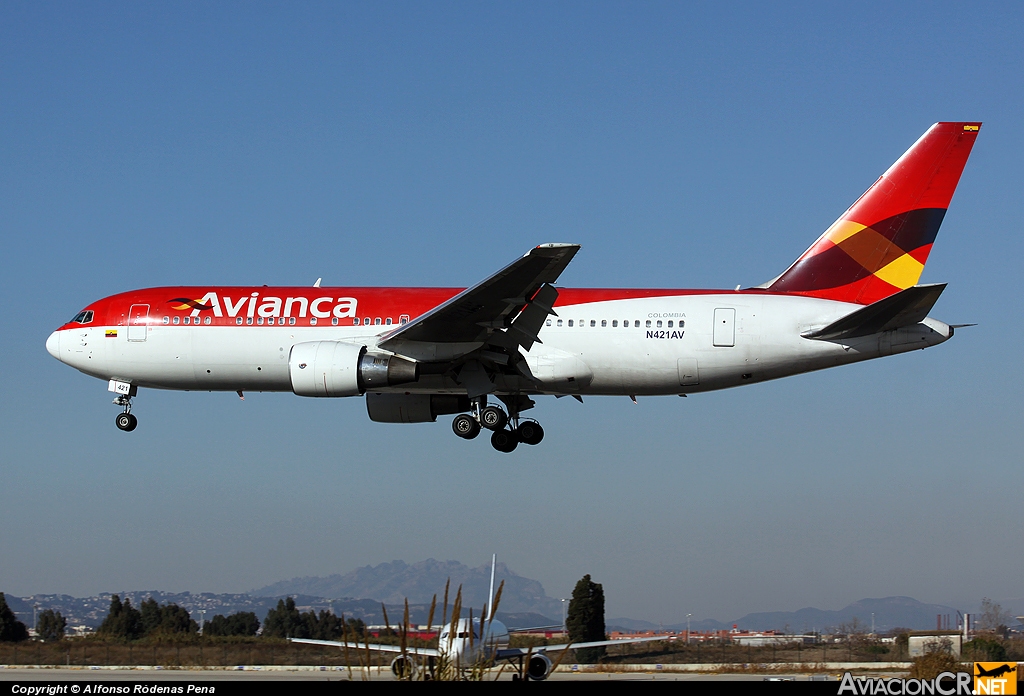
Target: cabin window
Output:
[
  {"x": 681, "y": 322},
  {"x": 259, "y": 320},
  {"x": 404, "y": 319},
  {"x": 547, "y": 323},
  {"x": 559, "y": 322},
  {"x": 636, "y": 324},
  {"x": 186, "y": 321},
  {"x": 167, "y": 320},
  {"x": 280, "y": 322},
  {"x": 334, "y": 321},
  {"x": 388, "y": 321},
  {"x": 312, "y": 321},
  {"x": 670, "y": 323},
  {"x": 593, "y": 323},
  {"x": 604, "y": 323},
  {"x": 625, "y": 324},
  {"x": 376, "y": 321},
  {"x": 659, "y": 323},
  {"x": 570, "y": 322},
  {"x": 248, "y": 321},
  {"x": 615, "y": 323},
  {"x": 176, "y": 320},
  {"x": 648, "y": 323},
  {"x": 238, "y": 320},
  {"x": 206, "y": 321}
]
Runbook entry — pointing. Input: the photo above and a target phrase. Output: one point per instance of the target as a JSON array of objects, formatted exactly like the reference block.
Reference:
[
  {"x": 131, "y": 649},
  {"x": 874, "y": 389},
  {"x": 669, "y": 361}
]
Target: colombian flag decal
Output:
[
  {"x": 971, "y": 128},
  {"x": 111, "y": 333}
]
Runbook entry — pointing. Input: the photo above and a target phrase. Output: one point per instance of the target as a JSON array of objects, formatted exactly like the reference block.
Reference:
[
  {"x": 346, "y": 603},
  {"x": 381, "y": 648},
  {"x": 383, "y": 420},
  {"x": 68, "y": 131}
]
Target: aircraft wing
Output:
[
  {"x": 352, "y": 645},
  {"x": 516, "y": 652},
  {"x": 517, "y": 298},
  {"x": 535, "y": 628}
]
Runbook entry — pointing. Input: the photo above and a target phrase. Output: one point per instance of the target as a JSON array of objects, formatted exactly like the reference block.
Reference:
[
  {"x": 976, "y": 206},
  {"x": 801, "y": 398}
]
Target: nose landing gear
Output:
[{"x": 125, "y": 421}]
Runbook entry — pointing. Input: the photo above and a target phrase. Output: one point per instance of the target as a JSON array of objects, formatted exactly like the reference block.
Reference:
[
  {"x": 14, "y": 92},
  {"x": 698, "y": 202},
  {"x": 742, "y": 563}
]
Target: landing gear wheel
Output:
[
  {"x": 126, "y": 422},
  {"x": 465, "y": 426},
  {"x": 530, "y": 432},
  {"x": 504, "y": 440},
  {"x": 493, "y": 418}
]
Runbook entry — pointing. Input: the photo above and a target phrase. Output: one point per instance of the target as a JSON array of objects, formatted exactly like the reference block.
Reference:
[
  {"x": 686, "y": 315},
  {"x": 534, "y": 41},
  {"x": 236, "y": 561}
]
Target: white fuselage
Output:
[
  {"x": 641, "y": 346},
  {"x": 462, "y": 650}
]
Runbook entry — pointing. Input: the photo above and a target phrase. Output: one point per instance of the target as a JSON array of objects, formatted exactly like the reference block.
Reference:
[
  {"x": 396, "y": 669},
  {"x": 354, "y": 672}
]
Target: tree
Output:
[
  {"x": 285, "y": 621},
  {"x": 585, "y": 618},
  {"x": 123, "y": 621},
  {"x": 993, "y": 618},
  {"x": 165, "y": 619},
  {"x": 243, "y": 623},
  {"x": 149, "y": 615},
  {"x": 50, "y": 625},
  {"x": 11, "y": 629}
]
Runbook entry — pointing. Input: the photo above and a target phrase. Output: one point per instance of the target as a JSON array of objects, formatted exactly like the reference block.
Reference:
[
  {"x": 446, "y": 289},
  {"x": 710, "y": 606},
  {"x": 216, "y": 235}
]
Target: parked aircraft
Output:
[
  {"x": 470, "y": 643},
  {"x": 418, "y": 353}
]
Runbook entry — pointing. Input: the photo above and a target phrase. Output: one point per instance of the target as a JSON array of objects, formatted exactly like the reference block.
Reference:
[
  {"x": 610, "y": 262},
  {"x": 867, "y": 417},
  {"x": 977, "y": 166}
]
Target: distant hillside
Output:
[
  {"x": 890, "y": 612},
  {"x": 394, "y": 582}
]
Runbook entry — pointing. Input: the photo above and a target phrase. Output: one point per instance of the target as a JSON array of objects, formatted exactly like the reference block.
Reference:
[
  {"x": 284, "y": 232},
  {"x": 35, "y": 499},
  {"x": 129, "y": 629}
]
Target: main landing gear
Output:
[
  {"x": 125, "y": 421},
  {"x": 507, "y": 431}
]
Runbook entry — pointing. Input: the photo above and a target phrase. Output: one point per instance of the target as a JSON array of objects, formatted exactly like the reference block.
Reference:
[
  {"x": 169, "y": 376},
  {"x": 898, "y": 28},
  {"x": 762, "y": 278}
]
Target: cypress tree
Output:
[{"x": 585, "y": 618}]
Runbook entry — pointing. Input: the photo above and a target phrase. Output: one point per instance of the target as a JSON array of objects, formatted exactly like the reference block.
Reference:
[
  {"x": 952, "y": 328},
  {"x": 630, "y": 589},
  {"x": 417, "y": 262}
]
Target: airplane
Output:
[
  {"x": 466, "y": 644},
  {"x": 419, "y": 353}
]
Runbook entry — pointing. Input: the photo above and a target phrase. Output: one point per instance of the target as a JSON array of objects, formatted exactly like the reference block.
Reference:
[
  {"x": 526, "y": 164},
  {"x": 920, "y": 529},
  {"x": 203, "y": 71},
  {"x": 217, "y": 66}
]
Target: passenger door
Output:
[{"x": 138, "y": 322}]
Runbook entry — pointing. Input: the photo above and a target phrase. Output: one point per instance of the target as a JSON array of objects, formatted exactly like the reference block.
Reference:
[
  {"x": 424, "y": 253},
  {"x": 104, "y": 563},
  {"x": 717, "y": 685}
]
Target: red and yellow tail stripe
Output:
[{"x": 880, "y": 245}]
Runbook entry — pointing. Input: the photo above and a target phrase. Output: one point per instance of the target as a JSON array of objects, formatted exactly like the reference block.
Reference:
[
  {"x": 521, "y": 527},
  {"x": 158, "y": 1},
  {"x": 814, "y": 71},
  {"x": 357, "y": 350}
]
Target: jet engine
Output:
[
  {"x": 336, "y": 368},
  {"x": 413, "y": 408},
  {"x": 404, "y": 667},
  {"x": 539, "y": 667}
]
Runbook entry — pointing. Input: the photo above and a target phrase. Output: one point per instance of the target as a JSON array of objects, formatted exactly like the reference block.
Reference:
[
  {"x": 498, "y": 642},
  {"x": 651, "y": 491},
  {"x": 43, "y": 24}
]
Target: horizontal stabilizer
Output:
[{"x": 905, "y": 308}]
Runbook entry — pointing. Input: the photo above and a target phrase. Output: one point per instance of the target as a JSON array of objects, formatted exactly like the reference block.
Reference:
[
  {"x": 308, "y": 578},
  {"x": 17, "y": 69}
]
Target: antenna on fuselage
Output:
[
  {"x": 490, "y": 592},
  {"x": 317, "y": 283}
]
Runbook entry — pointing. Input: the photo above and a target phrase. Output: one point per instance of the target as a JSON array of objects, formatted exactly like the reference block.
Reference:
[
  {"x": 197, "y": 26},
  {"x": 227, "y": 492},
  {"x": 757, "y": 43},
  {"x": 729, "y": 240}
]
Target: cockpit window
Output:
[{"x": 83, "y": 317}]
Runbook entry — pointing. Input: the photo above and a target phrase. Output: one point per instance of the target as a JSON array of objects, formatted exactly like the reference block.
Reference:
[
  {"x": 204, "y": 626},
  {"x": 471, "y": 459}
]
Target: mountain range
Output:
[{"x": 394, "y": 582}]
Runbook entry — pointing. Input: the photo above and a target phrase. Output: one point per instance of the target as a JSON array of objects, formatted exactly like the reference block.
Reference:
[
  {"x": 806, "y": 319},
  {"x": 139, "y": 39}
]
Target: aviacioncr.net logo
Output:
[{"x": 946, "y": 684}]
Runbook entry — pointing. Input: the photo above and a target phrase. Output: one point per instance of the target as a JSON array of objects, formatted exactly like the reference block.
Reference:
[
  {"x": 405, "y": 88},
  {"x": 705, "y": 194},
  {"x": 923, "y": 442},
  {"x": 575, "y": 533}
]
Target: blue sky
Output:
[{"x": 683, "y": 145}]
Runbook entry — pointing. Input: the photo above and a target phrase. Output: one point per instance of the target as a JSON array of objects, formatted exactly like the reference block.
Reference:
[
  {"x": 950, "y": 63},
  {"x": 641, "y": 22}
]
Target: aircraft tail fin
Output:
[
  {"x": 880, "y": 245},
  {"x": 490, "y": 592}
]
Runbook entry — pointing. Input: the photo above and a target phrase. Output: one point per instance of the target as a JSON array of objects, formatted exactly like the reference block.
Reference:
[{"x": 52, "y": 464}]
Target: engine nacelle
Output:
[
  {"x": 413, "y": 408},
  {"x": 539, "y": 667},
  {"x": 336, "y": 368},
  {"x": 404, "y": 667}
]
